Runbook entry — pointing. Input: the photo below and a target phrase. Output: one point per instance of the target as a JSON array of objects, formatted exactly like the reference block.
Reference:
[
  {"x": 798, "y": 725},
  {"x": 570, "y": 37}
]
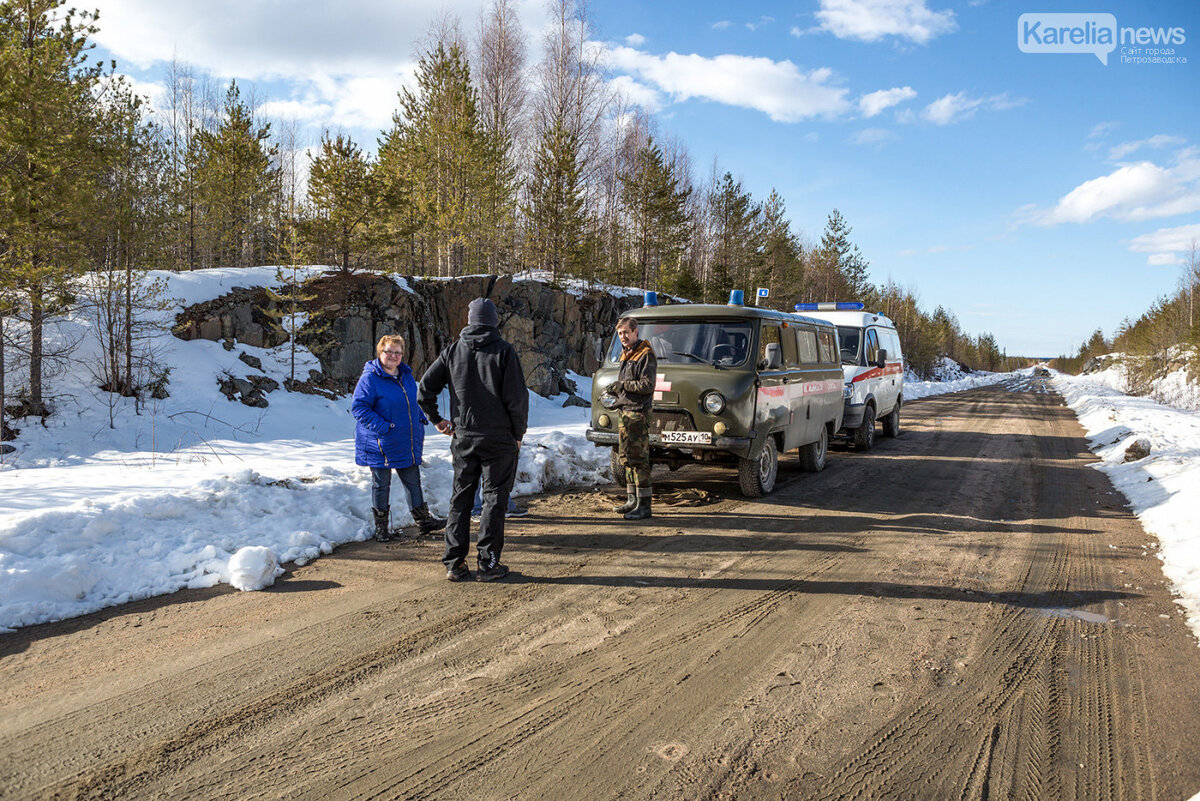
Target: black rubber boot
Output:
[
  {"x": 642, "y": 510},
  {"x": 630, "y": 500},
  {"x": 427, "y": 521},
  {"x": 382, "y": 532}
]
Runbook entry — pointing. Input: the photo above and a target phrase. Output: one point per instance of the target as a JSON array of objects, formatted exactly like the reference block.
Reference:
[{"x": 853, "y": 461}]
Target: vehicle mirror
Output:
[
  {"x": 883, "y": 357},
  {"x": 774, "y": 356}
]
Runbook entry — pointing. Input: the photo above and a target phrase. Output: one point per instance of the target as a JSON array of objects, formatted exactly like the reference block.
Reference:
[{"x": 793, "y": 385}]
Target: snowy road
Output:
[{"x": 969, "y": 611}]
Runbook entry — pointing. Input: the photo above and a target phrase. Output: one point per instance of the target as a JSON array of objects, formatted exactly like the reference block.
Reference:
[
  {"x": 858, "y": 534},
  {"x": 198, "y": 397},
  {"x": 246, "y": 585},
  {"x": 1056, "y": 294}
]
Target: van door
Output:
[
  {"x": 885, "y": 385},
  {"x": 772, "y": 410},
  {"x": 808, "y": 419}
]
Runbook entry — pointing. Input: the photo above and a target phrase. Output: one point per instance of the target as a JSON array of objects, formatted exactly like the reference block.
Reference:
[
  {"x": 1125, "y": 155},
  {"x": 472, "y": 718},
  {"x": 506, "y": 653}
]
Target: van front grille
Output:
[{"x": 671, "y": 420}]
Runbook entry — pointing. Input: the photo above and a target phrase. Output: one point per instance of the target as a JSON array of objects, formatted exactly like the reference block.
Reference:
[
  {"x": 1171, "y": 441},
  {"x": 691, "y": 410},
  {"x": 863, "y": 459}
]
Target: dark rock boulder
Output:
[{"x": 552, "y": 330}]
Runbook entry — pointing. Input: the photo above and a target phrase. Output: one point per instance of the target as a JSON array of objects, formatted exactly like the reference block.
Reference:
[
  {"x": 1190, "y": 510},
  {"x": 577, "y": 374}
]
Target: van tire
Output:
[
  {"x": 891, "y": 423},
  {"x": 814, "y": 454},
  {"x": 615, "y": 469},
  {"x": 864, "y": 435},
  {"x": 757, "y": 476}
]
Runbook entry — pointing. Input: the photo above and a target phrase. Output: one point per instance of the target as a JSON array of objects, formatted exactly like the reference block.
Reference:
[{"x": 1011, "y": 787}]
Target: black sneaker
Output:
[
  {"x": 493, "y": 573},
  {"x": 516, "y": 511},
  {"x": 458, "y": 573}
]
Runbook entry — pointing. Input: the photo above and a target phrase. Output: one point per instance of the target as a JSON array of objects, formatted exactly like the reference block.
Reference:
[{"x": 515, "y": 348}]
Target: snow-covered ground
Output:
[
  {"x": 92, "y": 516},
  {"x": 1164, "y": 487}
]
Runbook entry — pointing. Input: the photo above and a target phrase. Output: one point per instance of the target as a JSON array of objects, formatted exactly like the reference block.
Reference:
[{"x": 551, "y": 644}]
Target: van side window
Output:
[
  {"x": 770, "y": 333},
  {"x": 790, "y": 355},
  {"x": 828, "y": 349},
  {"x": 872, "y": 346},
  {"x": 808, "y": 345}
]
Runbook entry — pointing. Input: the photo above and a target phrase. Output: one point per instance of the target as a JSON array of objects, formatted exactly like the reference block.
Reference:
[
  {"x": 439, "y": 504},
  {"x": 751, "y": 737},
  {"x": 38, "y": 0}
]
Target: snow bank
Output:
[{"x": 1163, "y": 488}]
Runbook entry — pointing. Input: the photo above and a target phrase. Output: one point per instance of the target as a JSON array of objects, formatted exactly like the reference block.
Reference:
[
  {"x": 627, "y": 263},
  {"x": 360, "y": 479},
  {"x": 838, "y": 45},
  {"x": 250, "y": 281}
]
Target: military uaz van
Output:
[{"x": 736, "y": 385}]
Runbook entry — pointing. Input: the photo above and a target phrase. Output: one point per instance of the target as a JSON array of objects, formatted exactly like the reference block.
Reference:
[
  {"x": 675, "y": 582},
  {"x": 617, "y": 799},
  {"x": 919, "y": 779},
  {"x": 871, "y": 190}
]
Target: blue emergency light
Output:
[
  {"x": 651, "y": 299},
  {"x": 736, "y": 298},
  {"x": 856, "y": 306}
]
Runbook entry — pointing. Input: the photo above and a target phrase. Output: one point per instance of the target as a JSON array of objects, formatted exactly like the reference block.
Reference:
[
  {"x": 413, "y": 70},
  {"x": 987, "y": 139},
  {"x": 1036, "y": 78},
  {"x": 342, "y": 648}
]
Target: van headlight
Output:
[
  {"x": 608, "y": 400},
  {"x": 848, "y": 392},
  {"x": 714, "y": 403}
]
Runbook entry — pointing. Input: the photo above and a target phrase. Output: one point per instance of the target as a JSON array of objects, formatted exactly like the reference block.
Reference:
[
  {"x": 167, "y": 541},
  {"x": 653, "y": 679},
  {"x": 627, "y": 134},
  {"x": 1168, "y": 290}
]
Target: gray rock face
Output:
[
  {"x": 1140, "y": 449},
  {"x": 552, "y": 331}
]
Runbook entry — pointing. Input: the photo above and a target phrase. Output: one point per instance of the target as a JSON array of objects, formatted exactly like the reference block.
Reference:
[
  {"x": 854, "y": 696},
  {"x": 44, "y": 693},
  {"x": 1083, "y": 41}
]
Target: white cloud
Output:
[
  {"x": 1164, "y": 259},
  {"x": 1131, "y": 193},
  {"x": 876, "y": 102},
  {"x": 762, "y": 22},
  {"x": 638, "y": 93},
  {"x": 722, "y": 25},
  {"x": 1102, "y": 128},
  {"x": 226, "y": 37},
  {"x": 777, "y": 88},
  {"x": 1166, "y": 243},
  {"x": 961, "y": 106},
  {"x": 635, "y": 40},
  {"x": 872, "y": 20},
  {"x": 1124, "y": 149},
  {"x": 872, "y": 136}
]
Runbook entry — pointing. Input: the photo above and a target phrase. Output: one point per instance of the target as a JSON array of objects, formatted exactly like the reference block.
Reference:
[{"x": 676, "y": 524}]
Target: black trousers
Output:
[{"x": 494, "y": 466}]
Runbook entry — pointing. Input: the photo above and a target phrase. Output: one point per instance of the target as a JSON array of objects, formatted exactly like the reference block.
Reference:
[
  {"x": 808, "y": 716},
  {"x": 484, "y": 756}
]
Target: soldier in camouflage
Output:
[{"x": 634, "y": 390}]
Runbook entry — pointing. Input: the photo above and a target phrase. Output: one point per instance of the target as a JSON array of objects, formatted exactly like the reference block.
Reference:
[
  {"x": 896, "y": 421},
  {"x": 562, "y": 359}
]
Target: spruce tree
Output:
[
  {"x": 556, "y": 215},
  {"x": 844, "y": 268}
]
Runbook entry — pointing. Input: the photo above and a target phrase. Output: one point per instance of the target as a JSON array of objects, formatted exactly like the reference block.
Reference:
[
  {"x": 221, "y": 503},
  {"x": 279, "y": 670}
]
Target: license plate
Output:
[{"x": 686, "y": 438}]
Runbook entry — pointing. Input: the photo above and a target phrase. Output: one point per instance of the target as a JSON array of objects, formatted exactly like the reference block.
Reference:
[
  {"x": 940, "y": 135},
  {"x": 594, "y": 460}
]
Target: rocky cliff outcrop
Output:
[{"x": 552, "y": 330}]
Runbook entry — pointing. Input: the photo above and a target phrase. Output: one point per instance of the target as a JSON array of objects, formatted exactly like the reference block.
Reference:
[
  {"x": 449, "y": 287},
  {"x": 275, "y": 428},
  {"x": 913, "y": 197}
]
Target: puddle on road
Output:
[{"x": 1087, "y": 617}]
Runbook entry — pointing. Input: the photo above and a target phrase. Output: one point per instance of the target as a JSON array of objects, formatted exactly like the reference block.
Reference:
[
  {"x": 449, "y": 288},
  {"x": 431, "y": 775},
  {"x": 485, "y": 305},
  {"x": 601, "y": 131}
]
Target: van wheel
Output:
[
  {"x": 813, "y": 455},
  {"x": 891, "y": 423},
  {"x": 757, "y": 476},
  {"x": 615, "y": 469},
  {"x": 864, "y": 435}
]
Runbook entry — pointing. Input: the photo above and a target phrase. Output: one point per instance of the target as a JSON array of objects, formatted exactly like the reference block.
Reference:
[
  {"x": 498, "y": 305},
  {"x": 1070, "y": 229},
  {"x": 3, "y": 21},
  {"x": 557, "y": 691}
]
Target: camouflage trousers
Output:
[{"x": 633, "y": 448}]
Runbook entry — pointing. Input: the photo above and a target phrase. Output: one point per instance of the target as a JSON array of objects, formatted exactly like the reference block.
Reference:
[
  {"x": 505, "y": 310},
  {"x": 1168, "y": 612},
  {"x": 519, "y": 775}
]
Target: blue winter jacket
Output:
[{"x": 391, "y": 427}]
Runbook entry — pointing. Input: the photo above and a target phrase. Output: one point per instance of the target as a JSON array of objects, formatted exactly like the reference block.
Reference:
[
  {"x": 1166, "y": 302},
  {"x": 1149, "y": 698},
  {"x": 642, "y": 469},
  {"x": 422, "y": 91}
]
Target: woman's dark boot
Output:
[
  {"x": 382, "y": 532},
  {"x": 642, "y": 510},
  {"x": 427, "y": 521},
  {"x": 630, "y": 500}
]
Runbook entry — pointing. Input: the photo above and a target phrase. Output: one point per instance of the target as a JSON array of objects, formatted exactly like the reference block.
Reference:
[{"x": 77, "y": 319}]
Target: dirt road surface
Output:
[{"x": 967, "y": 612}]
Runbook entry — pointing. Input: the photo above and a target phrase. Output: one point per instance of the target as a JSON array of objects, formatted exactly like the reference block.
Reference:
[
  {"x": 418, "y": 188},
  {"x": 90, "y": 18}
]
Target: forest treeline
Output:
[
  {"x": 501, "y": 157},
  {"x": 1166, "y": 336}
]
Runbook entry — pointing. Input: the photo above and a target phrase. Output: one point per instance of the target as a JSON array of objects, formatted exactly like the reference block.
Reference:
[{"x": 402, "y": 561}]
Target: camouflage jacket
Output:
[{"x": 638, "y": 374}]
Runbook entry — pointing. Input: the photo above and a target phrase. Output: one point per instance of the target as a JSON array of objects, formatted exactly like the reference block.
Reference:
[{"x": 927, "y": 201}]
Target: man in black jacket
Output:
[{"x": 489, "y": 411}]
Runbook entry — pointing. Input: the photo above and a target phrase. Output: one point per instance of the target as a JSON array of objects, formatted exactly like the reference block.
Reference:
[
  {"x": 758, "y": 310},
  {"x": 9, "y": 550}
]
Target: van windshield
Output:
[
  {"x": 851, "y": 342},
  {"x": 722, "y": 344}
]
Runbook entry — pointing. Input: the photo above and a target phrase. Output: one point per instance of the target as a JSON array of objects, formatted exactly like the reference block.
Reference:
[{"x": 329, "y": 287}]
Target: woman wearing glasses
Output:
[{"x": 390, "y": 434}]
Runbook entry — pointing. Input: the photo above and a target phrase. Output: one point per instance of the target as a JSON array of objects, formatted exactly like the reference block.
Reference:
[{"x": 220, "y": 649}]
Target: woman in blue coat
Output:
[{"x": 390, "y": 434}]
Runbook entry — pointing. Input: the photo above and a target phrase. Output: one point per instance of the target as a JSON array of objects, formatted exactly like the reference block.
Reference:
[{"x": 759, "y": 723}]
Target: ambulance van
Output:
[
  {"x": 737, "y": 385},
  {"x": 872, "y": 366}
]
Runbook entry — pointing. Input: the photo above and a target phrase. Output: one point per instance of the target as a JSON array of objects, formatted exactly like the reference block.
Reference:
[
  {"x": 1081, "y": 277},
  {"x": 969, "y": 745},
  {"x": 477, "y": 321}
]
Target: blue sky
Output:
[{"x": 1037, "y": 196}]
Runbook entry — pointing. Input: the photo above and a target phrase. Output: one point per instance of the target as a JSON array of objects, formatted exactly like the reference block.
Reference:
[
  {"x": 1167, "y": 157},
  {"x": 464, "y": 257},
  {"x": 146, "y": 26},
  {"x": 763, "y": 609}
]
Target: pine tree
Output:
[
  {"x": 736, "y": 236},
  {"x": 236, "y": 183},
  {"x": 657, "y": 213},
  {"x": 782, "y": 268},
  {"x": 436, "y": 155},
  {"x": 342, "y": 193},
  {"x": 48, "y": 160}
]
